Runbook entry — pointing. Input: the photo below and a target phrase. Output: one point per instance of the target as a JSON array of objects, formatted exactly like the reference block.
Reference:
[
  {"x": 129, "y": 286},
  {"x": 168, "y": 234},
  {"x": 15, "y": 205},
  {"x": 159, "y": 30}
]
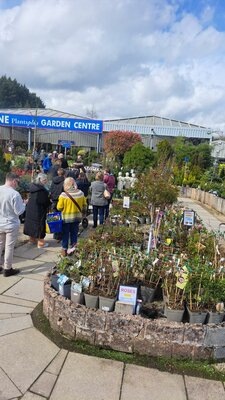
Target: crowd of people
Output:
[{"x": 56, "y": 187}]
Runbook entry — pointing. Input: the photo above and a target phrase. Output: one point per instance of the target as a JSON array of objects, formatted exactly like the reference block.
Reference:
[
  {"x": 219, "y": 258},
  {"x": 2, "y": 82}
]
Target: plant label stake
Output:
[{"x": 150, "y": 239}]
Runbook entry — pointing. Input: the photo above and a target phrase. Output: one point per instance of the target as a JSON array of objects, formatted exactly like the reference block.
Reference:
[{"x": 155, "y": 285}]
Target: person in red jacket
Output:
[{"x": 110, "y": 181}]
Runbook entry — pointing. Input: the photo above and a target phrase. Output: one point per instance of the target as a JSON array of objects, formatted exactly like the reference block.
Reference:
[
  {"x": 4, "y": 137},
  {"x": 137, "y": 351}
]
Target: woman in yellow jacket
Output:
[{"x": 71, "y": 203}]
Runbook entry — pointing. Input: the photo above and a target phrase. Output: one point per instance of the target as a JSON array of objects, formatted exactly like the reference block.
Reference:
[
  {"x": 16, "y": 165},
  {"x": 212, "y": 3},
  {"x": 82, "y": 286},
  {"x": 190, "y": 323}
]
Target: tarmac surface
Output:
[{"x": 34, "y": 368}]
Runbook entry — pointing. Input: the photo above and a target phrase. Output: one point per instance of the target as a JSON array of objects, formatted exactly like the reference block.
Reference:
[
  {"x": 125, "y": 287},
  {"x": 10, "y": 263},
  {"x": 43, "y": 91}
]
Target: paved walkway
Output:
[{"x": 34, "y": 368}]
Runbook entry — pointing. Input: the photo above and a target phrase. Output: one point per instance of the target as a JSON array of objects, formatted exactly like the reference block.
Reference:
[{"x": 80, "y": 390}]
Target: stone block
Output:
[
  {"x": 124, "y": 308},
  {"x": 193, "y": 351},
  {"x": 129, "y": 325},
  {"x": 194, "y": 333},
  {"x": 154, "y": 348},
  {"x": 215, "y": 336},
  {"x": 95, "y": 319},
  {"x": 85, "y": 334},
  {"x": 68, "y": 327},
  {"x": 114, "y": 341},
  {"x": 165, "y": 330},
  {"x": 219, "y": 353},
  {"x": 78, "y": 314}
]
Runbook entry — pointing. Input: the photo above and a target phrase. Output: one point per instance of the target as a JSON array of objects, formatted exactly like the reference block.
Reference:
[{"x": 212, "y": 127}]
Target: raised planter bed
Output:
[{"x": 132, "y": 333}]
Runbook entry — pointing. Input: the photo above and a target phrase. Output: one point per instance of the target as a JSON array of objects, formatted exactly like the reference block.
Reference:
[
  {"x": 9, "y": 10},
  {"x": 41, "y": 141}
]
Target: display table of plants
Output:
[{"x": 185, "y": 268}]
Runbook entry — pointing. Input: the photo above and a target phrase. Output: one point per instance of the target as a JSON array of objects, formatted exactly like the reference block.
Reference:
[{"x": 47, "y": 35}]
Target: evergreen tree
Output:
[{"x": 15, "y": 95}]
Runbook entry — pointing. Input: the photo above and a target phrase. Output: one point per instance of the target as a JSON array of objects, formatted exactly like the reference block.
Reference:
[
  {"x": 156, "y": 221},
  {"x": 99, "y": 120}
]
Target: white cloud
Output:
[{"x": 122, "y": 57}]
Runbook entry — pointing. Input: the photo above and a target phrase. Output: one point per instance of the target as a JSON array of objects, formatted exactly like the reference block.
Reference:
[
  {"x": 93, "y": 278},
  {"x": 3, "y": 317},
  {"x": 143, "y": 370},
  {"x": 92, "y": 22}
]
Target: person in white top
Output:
[{"x": 11, "y": 206}]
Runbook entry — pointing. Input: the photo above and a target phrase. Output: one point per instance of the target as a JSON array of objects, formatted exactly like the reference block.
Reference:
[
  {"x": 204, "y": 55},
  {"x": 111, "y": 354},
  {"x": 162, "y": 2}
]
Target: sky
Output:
[{"x": 119, "y": 58}]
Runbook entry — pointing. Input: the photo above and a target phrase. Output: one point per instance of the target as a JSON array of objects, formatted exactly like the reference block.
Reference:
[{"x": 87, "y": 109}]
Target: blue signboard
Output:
[
  {"x": 42, "y": 122},
  {"x": 66, "y": 143}
]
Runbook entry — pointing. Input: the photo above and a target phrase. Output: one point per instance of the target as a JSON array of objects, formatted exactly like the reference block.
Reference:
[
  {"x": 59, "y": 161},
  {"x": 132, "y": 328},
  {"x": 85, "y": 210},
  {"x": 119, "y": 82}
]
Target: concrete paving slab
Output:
[
  {"x": 204, "y": 389},
  {"x": 27, "y": 289},
  {"x": 26, "y": 265},
  {"x": 84, "y": 377},
  {"x": 146, "y": 383},
  {"x": 32, "y": 396},
  {"x": 18, "y": 302},
  {"x": 7, "y": 389},
  {"x": 15, "y": 324},
  {"x": 49, "y": 256},
  {"x": 28, "y": 251},
  {"x": 6, "y": 283},
  {"x": 43, "y": 268},
  {"x": 14, "y": 309},
  {"x": 32, "y": 352},
  {"x": 44, "y": 385},
  {"x": 35, "y": 277},
  {"x": 56, "y": 364},
  {"x": 5, "y": 316}
]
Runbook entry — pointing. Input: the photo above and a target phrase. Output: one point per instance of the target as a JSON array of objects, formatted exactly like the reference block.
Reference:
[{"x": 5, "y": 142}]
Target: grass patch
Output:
[{"x": 203, "y": 369}]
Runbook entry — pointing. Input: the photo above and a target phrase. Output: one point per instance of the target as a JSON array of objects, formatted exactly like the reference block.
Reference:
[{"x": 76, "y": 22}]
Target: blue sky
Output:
[{"x": 120, "y": 58}]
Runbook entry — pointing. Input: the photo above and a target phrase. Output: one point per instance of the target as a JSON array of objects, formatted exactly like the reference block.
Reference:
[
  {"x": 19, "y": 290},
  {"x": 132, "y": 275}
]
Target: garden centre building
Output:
[{"x": 47, "y": 127}]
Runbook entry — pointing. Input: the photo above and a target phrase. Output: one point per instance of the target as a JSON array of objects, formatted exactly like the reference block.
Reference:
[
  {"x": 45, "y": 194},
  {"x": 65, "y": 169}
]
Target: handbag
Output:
[
  {"x": 74, "y": 201},
  {"x": 106, "y": 194}
]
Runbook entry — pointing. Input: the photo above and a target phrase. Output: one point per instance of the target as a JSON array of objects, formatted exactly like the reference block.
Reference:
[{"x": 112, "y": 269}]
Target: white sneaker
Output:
[
  {"x": 43, "y": 246},
  {"x": 70, "y": 251}
]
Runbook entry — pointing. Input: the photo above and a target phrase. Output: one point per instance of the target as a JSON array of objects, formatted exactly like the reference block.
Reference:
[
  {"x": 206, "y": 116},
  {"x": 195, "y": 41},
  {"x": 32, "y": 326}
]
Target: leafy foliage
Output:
[
  {"x": 165, "y": 151},
  {"x": 138, "y": 157},
  {"x": 117, "y": 143},
  {"x": 155, "y": 189},
  {"x": 13, "y": 94},
  {"x": 4, "y": 167}
]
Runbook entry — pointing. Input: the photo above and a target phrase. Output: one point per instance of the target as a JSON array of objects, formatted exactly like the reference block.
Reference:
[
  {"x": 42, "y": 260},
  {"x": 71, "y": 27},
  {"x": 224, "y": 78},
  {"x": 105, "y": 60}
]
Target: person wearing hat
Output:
[
  {"x": 47, "y": 163},
  {"x": 64, "y": 163}
]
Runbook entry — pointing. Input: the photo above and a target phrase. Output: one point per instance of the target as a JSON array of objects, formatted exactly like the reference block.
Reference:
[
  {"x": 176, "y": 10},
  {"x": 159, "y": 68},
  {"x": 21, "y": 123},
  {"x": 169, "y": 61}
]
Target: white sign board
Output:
[
  {"x": 126, "y": 202},
  {"x": 189, "y": 218},
  {"x": 128, "y": 294}
]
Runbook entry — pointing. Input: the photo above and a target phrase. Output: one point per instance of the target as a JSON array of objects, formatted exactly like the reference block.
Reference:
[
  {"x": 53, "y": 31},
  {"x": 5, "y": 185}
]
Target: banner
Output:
[{"x": 42, "y": 122}]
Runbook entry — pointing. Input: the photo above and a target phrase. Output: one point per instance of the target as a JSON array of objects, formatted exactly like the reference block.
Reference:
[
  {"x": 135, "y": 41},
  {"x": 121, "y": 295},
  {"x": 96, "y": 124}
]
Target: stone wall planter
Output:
[
  {"x": 106, "y": 304},
  {"x": 91, "y": 301},
  {"x": 132, "y": 333}
]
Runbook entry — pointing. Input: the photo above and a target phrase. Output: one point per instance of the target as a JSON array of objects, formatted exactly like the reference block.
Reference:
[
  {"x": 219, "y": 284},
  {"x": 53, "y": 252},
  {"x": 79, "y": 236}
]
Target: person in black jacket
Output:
[
  {"x": 83, "y": 183},
  {"x": 55, "y": 190},
  {"x": 36, "y": 211},
  {"x": 64, "y": 163},
  {"x": 57, "y": 187}
]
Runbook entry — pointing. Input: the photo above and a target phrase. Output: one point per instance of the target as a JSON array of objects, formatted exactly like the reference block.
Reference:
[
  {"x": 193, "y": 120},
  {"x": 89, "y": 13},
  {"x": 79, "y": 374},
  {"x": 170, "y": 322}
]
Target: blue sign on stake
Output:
[
  {"x": 42, "y": 122},
  {"x": 66, "y": 143}
]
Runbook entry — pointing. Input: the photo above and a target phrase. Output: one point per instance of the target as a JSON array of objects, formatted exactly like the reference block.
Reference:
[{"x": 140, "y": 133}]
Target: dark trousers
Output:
[
  {"x": 98, "y": 211},
  {"x": 107, "y": 206},
  {"x": 70, "y": 233}
]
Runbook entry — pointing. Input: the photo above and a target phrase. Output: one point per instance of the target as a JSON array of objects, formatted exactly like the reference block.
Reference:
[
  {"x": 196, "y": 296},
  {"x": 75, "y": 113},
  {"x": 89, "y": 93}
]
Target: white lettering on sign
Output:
[
  {"x": 55, "y": 123},
  {"x": 4, "y": 119},
  {"x": 87, "y": 125}
]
